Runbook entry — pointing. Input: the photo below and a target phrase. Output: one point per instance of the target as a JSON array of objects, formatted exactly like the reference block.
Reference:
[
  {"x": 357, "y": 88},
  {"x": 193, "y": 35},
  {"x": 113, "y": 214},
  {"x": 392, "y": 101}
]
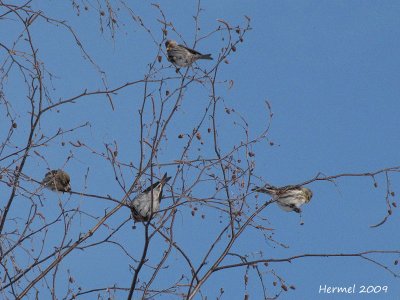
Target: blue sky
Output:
[{"x": 330, "y": 71}]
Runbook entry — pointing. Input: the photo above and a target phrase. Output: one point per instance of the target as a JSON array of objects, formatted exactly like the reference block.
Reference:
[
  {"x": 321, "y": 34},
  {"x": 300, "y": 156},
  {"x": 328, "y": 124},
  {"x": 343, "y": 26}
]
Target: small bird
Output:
[
  {"x": 142, "y": 208},
  {"x": 182, "y": 56},
  {"x": 57, "y": 180},
  {"x": 289, "y": 198}
]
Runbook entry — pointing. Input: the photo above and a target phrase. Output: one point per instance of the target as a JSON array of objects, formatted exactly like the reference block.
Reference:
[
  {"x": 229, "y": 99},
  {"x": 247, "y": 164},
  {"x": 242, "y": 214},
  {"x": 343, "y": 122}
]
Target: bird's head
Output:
[
  {"x": 170, "y": 44},
  {"x": 307, "y": 193}
]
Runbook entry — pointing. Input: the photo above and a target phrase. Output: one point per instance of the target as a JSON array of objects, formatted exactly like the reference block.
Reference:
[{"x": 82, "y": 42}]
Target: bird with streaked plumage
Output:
[
  {"x": 57, "y": 181},
  {"x": 289, "y": 198},
  {"x": 142, "y": 207},
  {"x": 182, "y": 56}
]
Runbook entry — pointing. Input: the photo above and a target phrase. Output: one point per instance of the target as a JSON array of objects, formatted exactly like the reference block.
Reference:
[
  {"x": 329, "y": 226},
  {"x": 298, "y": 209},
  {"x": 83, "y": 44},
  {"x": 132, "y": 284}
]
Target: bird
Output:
[
  {"x": 289, "y": 198},
  {"x": 142, "y": 207},
  {"x": 182, "y": 56},
  {"x": 57, "y": 180}
]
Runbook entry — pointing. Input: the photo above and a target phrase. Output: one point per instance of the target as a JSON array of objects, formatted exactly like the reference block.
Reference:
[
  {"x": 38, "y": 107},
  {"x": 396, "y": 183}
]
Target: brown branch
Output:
[{"x": 290, "y": 259}]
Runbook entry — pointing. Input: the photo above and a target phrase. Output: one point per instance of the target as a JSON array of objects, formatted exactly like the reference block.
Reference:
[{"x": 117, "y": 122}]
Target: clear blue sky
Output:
[{"x": 329, "y": 69}]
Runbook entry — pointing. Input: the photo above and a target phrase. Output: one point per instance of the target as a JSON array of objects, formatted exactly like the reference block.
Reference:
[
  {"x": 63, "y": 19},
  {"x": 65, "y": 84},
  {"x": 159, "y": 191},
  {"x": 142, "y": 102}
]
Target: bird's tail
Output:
[
  {"x": 268, "y": 189},
  {"x": 205, "y": 56},
  {"x": 165, "y": 179}
]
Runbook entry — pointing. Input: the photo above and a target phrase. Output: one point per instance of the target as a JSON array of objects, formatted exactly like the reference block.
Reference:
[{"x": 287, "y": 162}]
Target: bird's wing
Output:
[
  {"x": 48, "y": 178},
  {"x": 51, "y": 173},
  {"x": 287, "y": 188},
  {"x": 289, "y": 195},
  {"x": 163, "y": 180},
  {"x": 151, "y": 187},
  {"x": 190, "y": 50},
  {"x": 64, "y": 179}
]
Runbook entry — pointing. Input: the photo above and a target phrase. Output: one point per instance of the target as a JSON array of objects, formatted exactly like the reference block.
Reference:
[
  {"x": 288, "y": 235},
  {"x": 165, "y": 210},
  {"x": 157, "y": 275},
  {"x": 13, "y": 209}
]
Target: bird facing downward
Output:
[
  {"x": 289, "y": 198},
  {"x": 142, "y": 207},
  {"x": 181, "y": 56},
  {"x": 57, "y": 180}
]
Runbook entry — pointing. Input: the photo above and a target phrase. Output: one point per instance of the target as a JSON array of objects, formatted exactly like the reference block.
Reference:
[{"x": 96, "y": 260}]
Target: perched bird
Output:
[
  {"x": 142, "y": 207},
  {"x": 57, "y": 180},
  {"x": 289, "y": 198},
  {"x": 182, "y": 56}
]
